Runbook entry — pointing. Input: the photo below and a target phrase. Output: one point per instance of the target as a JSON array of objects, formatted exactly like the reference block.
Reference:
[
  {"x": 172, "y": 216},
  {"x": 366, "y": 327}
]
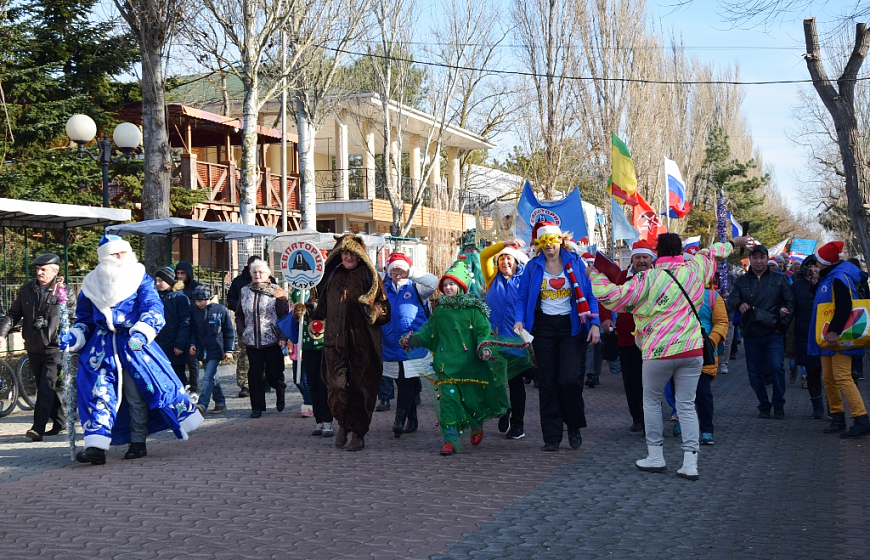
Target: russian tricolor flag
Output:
[
  {"x": 692, "y": 245},
  {"x": 678, "y": 207},
  {"x": 736, "y": 228}
]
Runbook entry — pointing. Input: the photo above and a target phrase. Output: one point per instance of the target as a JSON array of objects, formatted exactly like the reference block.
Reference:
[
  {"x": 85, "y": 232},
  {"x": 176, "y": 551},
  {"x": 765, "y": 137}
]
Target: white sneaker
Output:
[
  {"x": 327, "y": 429},
  {"x": 318, "y": 429}
]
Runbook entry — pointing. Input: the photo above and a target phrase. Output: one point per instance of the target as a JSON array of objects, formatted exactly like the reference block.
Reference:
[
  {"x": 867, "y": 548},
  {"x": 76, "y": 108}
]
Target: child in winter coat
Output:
[
  {"x": 211, "y": 340},
  {"x": 469, "y": 384}
]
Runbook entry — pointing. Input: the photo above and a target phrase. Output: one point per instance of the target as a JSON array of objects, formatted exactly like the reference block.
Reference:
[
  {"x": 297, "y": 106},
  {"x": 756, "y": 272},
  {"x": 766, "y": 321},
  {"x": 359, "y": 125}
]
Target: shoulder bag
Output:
[{"x": 709, "y": 352}]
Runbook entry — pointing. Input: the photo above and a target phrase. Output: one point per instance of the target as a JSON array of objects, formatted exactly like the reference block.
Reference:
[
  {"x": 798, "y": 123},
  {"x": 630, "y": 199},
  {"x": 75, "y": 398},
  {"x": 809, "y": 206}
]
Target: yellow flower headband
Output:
[{"x": 548, "y": 239}]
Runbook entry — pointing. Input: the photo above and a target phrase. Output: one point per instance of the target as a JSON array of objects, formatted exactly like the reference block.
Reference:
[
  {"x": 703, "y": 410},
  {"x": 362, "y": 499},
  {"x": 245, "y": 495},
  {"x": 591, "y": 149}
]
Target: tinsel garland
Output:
[
  {"x": 487, "y": 343},
  {"x": 462, "y": 301},
  {"x": 722, "y": 232},
  {"x": 69, "y": 374}
]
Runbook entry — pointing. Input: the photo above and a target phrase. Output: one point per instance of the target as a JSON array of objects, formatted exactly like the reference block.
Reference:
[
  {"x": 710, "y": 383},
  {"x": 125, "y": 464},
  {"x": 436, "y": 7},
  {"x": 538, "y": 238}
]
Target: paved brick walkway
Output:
[{"x": 243, "y": 488}]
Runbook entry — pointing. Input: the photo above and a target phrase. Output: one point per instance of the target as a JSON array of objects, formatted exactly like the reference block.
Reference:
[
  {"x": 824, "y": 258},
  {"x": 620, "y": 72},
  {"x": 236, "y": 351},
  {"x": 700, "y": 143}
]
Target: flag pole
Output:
[
  {"x": 612, "y": 232},
  {"x": 665, "y": 201}
]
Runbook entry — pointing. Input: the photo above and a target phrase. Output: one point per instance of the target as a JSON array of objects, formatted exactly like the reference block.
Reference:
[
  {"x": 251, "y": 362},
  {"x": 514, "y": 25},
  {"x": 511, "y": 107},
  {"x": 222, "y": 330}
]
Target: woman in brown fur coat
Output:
[{"x": 353, "y": 305}]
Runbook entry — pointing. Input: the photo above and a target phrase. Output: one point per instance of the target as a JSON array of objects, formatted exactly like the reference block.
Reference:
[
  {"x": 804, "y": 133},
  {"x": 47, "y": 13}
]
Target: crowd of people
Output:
[{"x": 495, "y": 321}]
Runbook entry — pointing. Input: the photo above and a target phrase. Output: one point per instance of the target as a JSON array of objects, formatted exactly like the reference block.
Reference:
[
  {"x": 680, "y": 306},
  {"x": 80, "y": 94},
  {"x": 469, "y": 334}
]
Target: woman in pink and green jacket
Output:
[{"x": 669, "y": 337}]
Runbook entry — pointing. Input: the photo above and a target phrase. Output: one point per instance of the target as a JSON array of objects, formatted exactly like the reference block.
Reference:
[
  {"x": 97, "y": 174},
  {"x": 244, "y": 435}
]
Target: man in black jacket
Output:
[
  {"x": 766, "y": 303},
  {"x": 184, "y": 273},
  {"x": 37, "y": 305}
]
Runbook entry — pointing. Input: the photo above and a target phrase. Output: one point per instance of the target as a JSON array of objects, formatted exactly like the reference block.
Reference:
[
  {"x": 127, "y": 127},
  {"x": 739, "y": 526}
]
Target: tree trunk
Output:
[
  {"x": 158, "y": 159},
  {"x": 249, "y": 174},
  {"x": 306, "y": 130},
  {"x": 840, "y": 103}
]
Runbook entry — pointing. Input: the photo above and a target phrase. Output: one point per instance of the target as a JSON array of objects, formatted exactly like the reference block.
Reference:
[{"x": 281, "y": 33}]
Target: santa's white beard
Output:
[{"x": 111, "y": 269}]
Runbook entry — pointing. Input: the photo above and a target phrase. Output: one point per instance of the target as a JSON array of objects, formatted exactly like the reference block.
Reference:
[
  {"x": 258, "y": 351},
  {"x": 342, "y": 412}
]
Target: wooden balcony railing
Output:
[{"x": 222, "y": 182}]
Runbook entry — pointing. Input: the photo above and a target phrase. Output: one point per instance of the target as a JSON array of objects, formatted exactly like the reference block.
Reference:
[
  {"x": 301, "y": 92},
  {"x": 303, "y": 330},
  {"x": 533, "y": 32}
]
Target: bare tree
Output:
[
  {"x": 318, "y": 46},
  {"x": 241, "y": 37},
  {"x": 840, "y": 103},
  {"x": 154, "y": 24},
  {"x": 547, "y": 32}
]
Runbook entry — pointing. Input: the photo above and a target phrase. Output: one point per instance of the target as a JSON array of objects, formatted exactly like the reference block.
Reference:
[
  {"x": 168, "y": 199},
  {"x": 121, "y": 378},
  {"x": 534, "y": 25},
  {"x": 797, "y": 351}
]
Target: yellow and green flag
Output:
[{"x": 623, "y": 180}]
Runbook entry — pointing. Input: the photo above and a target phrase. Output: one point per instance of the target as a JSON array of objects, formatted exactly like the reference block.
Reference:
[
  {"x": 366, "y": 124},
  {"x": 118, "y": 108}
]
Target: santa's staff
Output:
[{"x": 69, "y": 374}]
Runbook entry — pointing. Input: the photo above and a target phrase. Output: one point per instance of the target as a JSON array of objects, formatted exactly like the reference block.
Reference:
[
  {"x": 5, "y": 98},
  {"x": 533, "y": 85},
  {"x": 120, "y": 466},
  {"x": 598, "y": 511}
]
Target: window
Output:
[
  {"x": 358, "y": 227},
  {"x": 326, "y": 226}
]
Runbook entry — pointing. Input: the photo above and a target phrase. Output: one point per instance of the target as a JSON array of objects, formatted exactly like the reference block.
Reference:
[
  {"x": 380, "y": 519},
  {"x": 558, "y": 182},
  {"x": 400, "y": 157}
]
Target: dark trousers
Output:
[
  {"x": 193, "y": 368},
  {"x": 387, "y": 391},
  {"x": 517, "y": 394},
  {"x": 407, "y": 390},
  {"x": 180, "y": 372},
  {"x": 48, "y": 407},
  {"x": 764, "y": 356},
  {"x": 632, "y": 380},
  {"x": 704, "y": 403},
  {"x": 814, "y": 376},
  {"x": 268, "y": 360},
  {"x": 311, "y": 366},
  {"x": 561, "y": 369}
]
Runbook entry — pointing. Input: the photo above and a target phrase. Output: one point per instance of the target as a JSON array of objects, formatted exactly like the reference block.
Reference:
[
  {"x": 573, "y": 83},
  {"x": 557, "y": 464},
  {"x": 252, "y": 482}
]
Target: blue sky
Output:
[{"x": 772, "y": 54}]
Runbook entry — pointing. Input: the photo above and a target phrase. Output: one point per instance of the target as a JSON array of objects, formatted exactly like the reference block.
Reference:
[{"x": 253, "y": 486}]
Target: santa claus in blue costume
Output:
[{"x": 118, "y": 315}]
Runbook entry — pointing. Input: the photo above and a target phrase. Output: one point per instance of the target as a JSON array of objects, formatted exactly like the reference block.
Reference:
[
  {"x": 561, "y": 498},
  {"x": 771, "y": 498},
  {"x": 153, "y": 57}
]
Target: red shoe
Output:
[
  {"x": 447, "y": 449},
  {"x": 477, "y": 436}
]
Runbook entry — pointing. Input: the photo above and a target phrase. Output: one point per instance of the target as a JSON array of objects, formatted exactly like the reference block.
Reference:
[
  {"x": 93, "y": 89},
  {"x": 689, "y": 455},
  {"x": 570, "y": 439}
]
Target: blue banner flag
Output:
[
  {"x": 566, "y": 213},
  {"x": 803, "y": 246}
]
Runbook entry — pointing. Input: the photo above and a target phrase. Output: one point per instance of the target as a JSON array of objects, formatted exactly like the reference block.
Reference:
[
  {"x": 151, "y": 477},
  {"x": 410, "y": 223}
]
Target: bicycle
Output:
[
  {"x": 17, "y": 383},
  {"x": 27, "y": 385},
  {"x": 8, "y": 388}
]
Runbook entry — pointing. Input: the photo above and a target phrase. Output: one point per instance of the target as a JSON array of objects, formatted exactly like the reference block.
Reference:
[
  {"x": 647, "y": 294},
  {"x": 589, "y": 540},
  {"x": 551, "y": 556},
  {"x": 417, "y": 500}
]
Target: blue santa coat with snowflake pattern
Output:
[{"x": 98, "y": 371}]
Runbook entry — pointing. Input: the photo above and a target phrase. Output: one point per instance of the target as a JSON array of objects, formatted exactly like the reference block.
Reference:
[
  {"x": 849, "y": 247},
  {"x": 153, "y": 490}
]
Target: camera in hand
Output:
[{"x": 39, "y": 323}]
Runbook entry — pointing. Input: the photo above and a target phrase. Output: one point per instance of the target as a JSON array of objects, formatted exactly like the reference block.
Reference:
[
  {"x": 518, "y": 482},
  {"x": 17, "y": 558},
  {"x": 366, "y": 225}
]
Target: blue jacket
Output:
[
  {"x": 848, "y": 274},
  {"x": 501, "y": 298},
  {"x": 530, "y": 292},
  {"x": 211, "y": 331},
  {"x": 407, "y": 314},
  {"x": 176, "y": 332}
]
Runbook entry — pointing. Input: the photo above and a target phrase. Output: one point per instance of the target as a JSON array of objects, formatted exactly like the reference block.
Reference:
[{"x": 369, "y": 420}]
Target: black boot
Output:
[
  {"x": 136, "y": 451},
  {"x": 92, "y": 455},
  {"x": 838, "y": 423},
  {"x": 412, "y": 424},
  {"x": 279, "y": 399},
  {"x": 818, "y": 408},
  {"x": 399, "y": 424},
  {"x": 860, "y": 427}
]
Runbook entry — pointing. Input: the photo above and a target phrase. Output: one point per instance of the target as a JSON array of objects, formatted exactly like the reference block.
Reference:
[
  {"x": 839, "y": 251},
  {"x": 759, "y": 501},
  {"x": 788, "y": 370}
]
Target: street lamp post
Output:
[{"x": 81, "y": 129}]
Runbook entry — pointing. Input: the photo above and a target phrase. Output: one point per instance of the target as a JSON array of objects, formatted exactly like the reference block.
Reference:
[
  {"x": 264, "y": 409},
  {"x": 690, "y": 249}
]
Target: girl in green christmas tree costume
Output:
[{"x": 468, "y": 377}]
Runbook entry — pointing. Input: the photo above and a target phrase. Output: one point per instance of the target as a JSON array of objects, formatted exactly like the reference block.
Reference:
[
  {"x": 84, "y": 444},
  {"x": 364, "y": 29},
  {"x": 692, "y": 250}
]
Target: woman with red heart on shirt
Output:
[{"x": 555, "y": 304}]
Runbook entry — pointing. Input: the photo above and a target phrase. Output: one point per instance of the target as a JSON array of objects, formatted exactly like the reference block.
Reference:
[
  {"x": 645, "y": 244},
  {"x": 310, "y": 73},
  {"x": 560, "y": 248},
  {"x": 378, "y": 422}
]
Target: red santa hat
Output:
[
  {"x": 830, "y": 253},
  {"x": 643, "y": 247},
  {"x": 588, "y": 257},
  {"x": 544, "y": 228},
  {"x": 400, "y": 261},
  {"x": 513, "y": 250},
  {"x": 772, "y": 261}
]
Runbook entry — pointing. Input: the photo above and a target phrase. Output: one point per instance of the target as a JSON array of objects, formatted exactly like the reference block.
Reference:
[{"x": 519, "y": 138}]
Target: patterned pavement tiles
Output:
[{"x": 243, "y": 488}]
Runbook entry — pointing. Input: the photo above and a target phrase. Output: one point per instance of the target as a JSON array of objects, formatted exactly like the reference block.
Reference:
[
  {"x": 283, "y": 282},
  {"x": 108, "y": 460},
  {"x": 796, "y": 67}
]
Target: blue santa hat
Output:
[{"x": 110, "y": 244}]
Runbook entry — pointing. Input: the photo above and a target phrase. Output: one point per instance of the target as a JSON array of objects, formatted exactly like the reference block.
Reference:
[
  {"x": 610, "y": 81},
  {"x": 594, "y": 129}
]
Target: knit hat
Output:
[
  {"x": 111, "y": 244},
  {"x": 167, "y": 275},
  {"x": 458, "y": 272},
  {"x": 400, "y": 261},
  {"x": 643, "y": 247},
  {"x": 514, "y": 251},
  {"x": 201, "y": 293},
  {"x": 830, "y": 253}
]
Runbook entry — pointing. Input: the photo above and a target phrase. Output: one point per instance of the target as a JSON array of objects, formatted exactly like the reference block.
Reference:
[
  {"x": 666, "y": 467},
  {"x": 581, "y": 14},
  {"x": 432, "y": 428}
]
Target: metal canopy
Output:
[
  {"x": 226, "y": 231},
  {"x": 48, "y": 215}
]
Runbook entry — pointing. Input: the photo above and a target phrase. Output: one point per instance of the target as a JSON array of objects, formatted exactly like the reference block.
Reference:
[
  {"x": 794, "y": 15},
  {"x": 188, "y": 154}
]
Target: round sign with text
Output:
[{"x": 302, "y": 265}]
